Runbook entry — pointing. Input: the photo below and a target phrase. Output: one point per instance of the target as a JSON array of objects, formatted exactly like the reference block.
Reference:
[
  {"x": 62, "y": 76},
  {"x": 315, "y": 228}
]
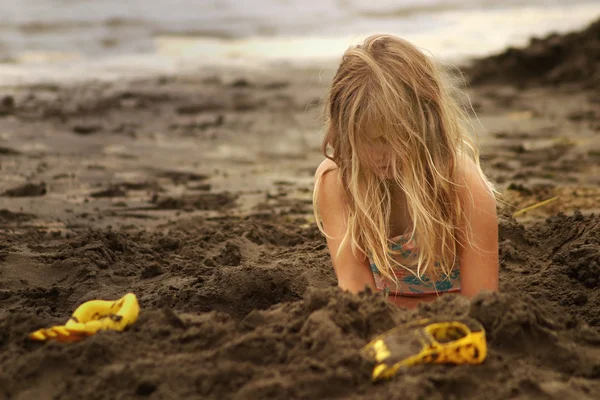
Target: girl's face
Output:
[{"x": 379, "y": 160}]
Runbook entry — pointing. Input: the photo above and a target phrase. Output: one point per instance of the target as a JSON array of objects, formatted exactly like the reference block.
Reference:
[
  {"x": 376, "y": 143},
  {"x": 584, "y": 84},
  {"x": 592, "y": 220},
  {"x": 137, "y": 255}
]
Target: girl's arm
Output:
[
  {"x": 353, "y": 271},
  {"x": 479, "y": 258}
]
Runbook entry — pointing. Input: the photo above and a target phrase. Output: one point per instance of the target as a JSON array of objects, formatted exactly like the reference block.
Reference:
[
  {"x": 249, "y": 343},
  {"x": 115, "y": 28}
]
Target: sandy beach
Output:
[{"x": 194, "y": 191}]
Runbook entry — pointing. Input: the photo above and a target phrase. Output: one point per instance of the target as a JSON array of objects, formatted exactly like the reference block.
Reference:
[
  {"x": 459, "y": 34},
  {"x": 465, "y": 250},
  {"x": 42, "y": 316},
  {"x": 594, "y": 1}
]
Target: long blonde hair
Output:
[{"x": 391, "y": 103}]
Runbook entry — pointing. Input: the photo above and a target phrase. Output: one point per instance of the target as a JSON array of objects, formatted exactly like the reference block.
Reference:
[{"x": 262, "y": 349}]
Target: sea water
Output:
[{"x": 82, "y": 39}]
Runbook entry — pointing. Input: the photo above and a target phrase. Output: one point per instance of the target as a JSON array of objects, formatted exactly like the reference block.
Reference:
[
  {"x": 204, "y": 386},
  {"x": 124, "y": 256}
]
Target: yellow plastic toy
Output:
[
  {"x": 91, "y": 317},
  {"x": 427, "y": 342}
]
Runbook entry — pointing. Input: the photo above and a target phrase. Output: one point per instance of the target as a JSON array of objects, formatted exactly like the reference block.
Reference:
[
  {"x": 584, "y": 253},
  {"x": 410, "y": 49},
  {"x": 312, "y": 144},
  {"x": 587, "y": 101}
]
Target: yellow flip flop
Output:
[
  {"x": 91, "y": 317},
  {"x": 427, "y": 341}
]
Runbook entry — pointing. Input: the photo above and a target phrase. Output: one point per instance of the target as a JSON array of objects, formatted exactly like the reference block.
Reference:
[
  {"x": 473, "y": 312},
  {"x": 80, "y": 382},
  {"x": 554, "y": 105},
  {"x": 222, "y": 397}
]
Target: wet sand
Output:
[{"x": 194, "y": 192}]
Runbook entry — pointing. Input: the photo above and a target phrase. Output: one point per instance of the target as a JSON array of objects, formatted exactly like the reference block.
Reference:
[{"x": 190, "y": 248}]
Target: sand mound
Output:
[
  {"x": 556, "y": 59},
  {"x": 305, "y": 349},
  {"x": 245, "y": 308},
  {"x": 556, "y": 262}
]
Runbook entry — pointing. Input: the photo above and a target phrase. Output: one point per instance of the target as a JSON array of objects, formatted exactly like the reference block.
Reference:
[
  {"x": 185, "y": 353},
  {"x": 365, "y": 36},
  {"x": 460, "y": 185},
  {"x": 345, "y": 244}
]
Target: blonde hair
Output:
[{"x": 388, "y": 98}]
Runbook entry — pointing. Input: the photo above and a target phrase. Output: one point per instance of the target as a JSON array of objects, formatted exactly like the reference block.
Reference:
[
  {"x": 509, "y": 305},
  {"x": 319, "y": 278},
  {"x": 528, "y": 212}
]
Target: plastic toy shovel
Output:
[{"x": 427, "y": 341}]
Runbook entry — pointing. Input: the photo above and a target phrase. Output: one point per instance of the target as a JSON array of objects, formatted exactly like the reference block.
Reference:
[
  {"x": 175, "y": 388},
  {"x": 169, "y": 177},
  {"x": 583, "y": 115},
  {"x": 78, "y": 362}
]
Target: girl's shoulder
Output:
[
  {"x": 325, "y": 166},
  {"x": 328, "y": 186},
  {"x": 476, "y": 186}
]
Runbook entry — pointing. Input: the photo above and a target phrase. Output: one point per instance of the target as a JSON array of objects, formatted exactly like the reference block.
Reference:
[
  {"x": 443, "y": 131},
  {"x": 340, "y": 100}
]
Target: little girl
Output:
[{"x": 401, "y": 197}]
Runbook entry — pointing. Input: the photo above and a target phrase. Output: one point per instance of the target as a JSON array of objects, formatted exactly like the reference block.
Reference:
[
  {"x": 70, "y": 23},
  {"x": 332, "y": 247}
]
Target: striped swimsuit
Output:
[{"x": 409, "y": 284}]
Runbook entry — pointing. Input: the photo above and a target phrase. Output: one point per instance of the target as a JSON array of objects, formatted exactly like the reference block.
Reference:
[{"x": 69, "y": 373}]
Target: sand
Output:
[
  {"x": 194, "y": 192},
  {"x": 554, "y": 60}
]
